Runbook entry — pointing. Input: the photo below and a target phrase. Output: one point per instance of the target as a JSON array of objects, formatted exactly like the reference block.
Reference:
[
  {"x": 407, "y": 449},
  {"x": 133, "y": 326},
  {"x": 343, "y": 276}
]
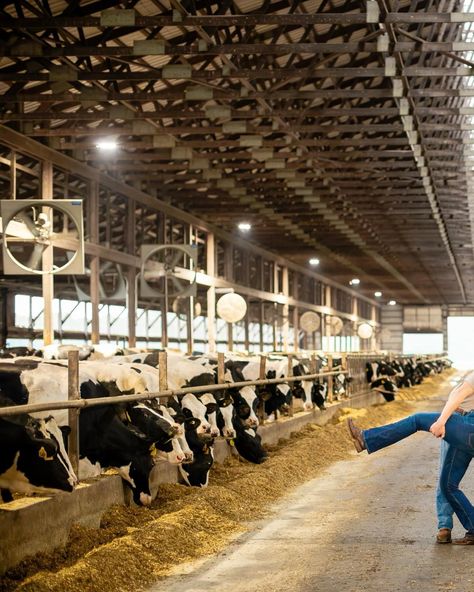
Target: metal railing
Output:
[
  {"x": 75, "y": 403},
  {"x": 352, "y": 364}
]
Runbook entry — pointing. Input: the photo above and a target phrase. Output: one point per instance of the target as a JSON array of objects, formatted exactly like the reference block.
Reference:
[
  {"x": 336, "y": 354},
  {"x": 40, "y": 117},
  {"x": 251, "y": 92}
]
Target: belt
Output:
[{"x": 463, "y": 411}]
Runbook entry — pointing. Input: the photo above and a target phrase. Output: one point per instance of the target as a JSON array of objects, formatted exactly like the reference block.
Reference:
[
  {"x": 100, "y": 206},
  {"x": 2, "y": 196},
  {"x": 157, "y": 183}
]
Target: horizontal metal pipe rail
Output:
[{"x": 84, "y": 403}]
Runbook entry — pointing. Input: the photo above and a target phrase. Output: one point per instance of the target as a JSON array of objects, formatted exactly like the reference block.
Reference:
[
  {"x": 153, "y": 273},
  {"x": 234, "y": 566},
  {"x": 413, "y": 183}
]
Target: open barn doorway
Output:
[{"x": 461, "y": 341}]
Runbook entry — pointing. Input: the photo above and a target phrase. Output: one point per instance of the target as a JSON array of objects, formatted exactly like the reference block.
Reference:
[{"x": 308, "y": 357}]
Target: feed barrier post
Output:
[{"x": 73, "y": 414}]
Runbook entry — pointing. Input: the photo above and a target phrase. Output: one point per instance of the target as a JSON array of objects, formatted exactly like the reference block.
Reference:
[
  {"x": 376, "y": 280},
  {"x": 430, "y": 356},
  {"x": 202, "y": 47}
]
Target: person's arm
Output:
[{"x": 456, "y": 397}]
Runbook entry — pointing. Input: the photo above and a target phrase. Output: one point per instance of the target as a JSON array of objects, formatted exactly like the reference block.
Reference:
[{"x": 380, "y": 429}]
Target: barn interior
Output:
[
  {"x": 248, "y": 177},
  {"x": 339, "y": 131}
]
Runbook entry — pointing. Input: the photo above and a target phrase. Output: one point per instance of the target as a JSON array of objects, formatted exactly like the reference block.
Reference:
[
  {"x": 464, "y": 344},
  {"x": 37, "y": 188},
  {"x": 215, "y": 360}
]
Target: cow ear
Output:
[
  {"x": 211, "y": 408},
  {"x": 65, "y": 430},
  {"x": 265, "y": 395},
  {"x": 192, "y": 423}
]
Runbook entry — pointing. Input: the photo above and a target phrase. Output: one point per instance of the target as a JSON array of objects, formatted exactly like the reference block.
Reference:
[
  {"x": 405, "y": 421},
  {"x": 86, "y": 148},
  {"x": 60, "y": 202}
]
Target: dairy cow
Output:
[
  {"x": 33, "y": 456},
  {"x": 196, "y": 473},
  {"x": 248, "y": 443}
]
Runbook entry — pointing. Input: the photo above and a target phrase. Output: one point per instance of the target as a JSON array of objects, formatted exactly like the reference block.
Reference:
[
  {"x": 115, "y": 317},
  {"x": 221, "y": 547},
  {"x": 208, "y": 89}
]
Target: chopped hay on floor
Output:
[{"x": 136, "y": 546}]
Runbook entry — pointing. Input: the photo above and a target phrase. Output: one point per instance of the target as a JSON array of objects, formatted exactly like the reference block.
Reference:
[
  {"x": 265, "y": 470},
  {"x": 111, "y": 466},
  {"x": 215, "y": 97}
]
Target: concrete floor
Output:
[{"x": 366, "y": 525}]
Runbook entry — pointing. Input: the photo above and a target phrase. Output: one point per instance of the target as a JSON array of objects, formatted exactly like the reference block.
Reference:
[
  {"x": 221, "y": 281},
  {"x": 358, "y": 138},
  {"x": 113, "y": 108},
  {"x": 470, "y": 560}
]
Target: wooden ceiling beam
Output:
[
  {"x": 143, "y": 48},
  {"x": 132, "y": 20},
  {"x": 220, "y": 94},
  {"x": 116, "y": 112},
  {"x": 67, "y": 74}
]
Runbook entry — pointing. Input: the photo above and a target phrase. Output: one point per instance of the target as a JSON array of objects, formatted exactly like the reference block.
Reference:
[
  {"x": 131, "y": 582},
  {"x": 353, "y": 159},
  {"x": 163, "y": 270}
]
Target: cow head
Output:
[
  {"x": 43, "y": 459},
  {"x": 193, "y": 407},
  {"x": 245, "y": 402}
]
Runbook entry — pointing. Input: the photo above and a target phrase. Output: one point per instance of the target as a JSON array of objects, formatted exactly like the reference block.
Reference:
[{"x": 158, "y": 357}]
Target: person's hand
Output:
[{"x": 438, "y": 429}]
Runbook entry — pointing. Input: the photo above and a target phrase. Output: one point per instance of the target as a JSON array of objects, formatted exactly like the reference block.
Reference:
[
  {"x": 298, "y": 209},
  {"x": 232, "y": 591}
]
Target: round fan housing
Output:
[
  {"x": 231, "y": 307},
  {"x": 42, "y": 237},
  {"x": 365, "y": 331},
  {"x": 310, "y": 321}
]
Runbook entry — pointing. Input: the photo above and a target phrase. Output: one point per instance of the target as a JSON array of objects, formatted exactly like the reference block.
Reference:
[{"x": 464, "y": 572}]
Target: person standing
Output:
[
  {"x": 444, "y": 509},
  {"x": 456, "y": 429}
]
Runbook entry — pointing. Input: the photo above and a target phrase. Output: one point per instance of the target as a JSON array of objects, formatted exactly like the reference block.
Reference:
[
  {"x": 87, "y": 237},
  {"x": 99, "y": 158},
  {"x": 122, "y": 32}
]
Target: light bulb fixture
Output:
[
  {"x": 392, "y": 302},
  {"x": 354, "y": 282},
  {"x": 314, "y": 261},
  {"x": 106, "y": 145},
  {"x": 377, "y": 294},
  {"x": 245, "y": 226}
]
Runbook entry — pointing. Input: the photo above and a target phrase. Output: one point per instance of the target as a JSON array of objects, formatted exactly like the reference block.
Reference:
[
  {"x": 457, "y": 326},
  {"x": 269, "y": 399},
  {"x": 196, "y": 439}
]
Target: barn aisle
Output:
[{"x": 368, "y": 524}]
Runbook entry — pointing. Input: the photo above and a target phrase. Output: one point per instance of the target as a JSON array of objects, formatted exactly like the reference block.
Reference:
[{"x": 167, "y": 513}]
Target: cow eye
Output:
[{"x": 43, "y": 454}]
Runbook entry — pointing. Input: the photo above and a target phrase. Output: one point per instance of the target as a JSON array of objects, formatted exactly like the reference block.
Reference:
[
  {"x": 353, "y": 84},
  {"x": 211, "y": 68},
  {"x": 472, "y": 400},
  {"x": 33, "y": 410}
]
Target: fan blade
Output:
[
  {"x": 176, "y": 257},
  {"x": 177, "y": 283},
  {"x": 154, "y": 270},
  {"x": 28, "y": 222},
  {"x": 35, "y": 257}
]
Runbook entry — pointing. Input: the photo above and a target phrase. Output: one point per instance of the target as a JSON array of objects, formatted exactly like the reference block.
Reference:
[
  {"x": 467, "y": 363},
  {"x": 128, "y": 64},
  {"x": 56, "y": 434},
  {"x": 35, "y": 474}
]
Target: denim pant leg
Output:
[
  {"x": 383, "y": 436},
  {"x": 454, "y": 468},
  {"x": 459, "y": 431},
  {"x": 444, "y": 510}
]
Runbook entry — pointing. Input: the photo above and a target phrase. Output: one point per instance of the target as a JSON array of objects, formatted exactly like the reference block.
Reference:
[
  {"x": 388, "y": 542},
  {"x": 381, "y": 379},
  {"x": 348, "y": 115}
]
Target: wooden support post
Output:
[
  {"x": 211, "y": 294},
  {"x": 290, "y": 373},
  {"x": 132, "y": 306},
  {"x": 261, "y": 322},
  {"x": 313, "y": 366},
  {"x": 330, "y": 396},
  {"x": 163, "y": 371},
  {"x": 47, "y": 278},
  {"x": 95, "y": 299},
  {"x": 296, "y": 332},
  {"x": 95, "y": 261},
  {"x": 190, "y": 302},
  {"x": 220, "y": 368},
  {"x": 247, "y": 327},
  {"x": 230, "y": 336},
  {"x": 73, "y": 419},
  {"x": 261, "y": 376},
  {"x": 131, "y": 275},
  {"x": 12, "y": 174},
  {"x": 343, "y": 368},
  {"x": 285, "y": 329}
]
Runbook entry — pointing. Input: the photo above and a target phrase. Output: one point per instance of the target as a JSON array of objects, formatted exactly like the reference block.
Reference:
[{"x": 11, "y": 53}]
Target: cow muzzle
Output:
[{"x": 145, "y": 499}]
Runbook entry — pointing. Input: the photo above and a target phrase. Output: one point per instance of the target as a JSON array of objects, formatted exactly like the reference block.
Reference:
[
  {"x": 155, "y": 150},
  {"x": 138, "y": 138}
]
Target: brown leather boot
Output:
[
  {"x": 467, "y": 539},
  {"x": 356, "y": 435},
  {"x": 444, "y": 536}
]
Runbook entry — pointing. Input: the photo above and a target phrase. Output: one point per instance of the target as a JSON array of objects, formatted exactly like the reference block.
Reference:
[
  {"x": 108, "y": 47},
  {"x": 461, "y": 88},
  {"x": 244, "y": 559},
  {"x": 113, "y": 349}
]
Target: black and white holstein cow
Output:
[
  {"x": 106, "y": 439},
  {"x": 381, "y": 377},
  {"x": 33, "y": 457},
  {"x": 238, "y": 406},
  {"x": 197, "y": 412}
]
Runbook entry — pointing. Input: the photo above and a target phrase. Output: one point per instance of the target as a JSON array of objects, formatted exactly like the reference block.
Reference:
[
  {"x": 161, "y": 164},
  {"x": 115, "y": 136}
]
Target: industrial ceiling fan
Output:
[
  {"x": 168, "y": 271},
  {"x": 111, "y": 283},
  {"x": 42, "y": 237}
]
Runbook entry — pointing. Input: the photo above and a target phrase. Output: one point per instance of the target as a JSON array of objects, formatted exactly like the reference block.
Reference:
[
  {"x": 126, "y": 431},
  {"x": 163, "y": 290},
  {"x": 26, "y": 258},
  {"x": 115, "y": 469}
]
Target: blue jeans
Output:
[
  {"x": 444, "y": 510},
  {"x": 460, "y": 436}
]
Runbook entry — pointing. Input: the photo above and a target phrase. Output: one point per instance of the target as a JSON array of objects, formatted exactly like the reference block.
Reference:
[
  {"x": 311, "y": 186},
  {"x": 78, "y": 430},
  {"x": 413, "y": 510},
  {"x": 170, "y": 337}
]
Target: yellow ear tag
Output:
[
  {"x": 153, "y": 450},
  {"x": 44, "y": 455},
  {"x": 231, "y": 442}
]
